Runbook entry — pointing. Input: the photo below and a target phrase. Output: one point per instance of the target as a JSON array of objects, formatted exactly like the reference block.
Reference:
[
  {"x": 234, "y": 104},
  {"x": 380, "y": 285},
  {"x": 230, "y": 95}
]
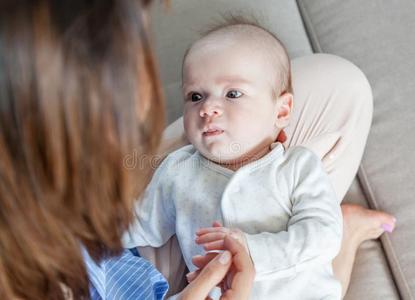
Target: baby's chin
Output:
[{"x": 222, "y": 158}]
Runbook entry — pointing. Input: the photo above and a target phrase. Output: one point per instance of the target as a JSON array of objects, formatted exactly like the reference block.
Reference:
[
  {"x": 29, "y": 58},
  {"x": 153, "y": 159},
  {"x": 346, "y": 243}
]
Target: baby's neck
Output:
[{"x": 247, "y": 158}]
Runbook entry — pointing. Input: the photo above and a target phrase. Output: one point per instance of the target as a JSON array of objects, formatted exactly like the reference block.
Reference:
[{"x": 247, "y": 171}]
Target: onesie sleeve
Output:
[
  {"x": 314, "y": 230},
  {"x": 154, "y": 212}
]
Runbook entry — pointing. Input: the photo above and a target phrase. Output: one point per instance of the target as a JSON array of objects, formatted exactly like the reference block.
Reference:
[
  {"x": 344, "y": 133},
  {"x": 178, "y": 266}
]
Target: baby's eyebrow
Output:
[
  {"x": 220, "y": 81},
  {"x": 186, "y": 87},
  {"x": 232, "y": 79}
]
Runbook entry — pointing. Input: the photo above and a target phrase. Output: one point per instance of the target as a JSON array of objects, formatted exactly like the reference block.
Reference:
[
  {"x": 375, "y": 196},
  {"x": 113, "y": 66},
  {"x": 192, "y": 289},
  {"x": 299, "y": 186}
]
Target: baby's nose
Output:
[{"x": 210, "y": 109}]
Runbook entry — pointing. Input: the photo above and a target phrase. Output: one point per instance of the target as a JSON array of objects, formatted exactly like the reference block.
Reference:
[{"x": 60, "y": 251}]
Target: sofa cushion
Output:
[
  {"x": 378, "y": 37},
  {"x": 177, "y": 27}
]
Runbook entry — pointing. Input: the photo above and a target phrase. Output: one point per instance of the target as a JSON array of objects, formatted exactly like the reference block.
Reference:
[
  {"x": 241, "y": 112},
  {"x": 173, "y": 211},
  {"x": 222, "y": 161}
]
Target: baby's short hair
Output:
[{"x": 248, "y": 25}]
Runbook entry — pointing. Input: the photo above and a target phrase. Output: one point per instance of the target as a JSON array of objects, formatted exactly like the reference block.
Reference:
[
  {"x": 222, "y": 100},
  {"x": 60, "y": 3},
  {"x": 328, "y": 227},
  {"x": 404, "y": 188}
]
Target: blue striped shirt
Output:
[{"x": 127, "y": 276}]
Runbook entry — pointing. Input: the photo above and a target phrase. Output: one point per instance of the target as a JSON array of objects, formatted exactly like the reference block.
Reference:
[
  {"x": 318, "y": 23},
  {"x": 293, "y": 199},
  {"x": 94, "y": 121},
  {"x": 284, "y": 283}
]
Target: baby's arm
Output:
[
  {"x": 154, "y": 212},
  {"x": 314, "y": 231}
]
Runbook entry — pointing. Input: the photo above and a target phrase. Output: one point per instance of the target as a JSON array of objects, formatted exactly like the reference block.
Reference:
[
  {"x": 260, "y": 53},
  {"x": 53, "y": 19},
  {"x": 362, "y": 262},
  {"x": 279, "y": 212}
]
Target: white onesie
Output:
[{"x": 284, "y": 202}]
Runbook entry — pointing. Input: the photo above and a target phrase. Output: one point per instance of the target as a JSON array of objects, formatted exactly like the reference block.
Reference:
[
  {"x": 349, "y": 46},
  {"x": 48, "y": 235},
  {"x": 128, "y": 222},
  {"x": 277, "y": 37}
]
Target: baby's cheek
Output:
[{"x": 186, "y": 122}]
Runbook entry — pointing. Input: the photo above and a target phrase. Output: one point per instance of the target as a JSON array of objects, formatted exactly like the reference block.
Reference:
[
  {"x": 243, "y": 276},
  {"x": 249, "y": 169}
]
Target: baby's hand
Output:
[{"x": 212, "y": 238}]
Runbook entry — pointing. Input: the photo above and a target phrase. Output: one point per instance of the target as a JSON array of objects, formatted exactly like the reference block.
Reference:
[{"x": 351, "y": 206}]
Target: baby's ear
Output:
[{"x": 285, "y": 104}]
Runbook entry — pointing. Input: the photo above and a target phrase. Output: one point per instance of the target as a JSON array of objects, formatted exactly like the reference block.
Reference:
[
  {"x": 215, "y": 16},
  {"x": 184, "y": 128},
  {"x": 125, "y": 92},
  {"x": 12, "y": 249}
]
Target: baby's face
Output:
[{"x": 229, "y": 112}]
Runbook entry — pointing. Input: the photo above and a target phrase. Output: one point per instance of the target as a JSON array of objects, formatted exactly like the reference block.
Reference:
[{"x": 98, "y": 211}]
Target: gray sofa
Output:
[{"x": 376, "y": 35}]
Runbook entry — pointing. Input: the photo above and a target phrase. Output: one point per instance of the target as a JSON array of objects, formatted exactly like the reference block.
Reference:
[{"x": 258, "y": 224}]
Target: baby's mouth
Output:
[{"x": 212, "y": 131}]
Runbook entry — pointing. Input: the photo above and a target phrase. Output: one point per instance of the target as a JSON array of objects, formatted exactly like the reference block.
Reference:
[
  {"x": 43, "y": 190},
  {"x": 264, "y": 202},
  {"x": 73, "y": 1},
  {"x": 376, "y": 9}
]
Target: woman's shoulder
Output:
[{"x": 124, "y": 276}]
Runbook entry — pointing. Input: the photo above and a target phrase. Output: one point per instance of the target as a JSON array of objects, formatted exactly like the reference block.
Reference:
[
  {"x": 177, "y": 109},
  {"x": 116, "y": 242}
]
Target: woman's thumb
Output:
[{"x": 212, "y": 274}]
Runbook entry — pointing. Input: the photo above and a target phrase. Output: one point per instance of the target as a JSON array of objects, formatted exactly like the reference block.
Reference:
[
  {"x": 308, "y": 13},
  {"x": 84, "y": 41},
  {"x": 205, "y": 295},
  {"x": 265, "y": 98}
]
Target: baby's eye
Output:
[
  {"x": 233, "y": 94},
  {"x": 195, "y": 97}
]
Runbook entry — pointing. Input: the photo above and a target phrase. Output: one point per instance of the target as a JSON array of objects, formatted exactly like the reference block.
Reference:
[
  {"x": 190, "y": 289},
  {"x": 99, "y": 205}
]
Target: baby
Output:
[{"x": 279, "y": 203}]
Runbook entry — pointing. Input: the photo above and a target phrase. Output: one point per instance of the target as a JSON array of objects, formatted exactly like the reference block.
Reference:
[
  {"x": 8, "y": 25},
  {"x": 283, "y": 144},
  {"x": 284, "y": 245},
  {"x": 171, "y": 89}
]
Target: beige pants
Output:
[{"x": 332, "y": 114}]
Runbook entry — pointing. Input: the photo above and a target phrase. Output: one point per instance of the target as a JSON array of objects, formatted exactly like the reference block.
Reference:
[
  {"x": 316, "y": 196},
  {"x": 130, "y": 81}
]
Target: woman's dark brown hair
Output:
[{"x": 78, "y": 94}]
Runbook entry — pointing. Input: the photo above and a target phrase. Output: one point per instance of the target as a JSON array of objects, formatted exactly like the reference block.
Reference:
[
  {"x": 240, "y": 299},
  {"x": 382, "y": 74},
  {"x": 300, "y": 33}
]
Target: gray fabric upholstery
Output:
[
  {"x": 371, "y": 278},
  {"x": 378, "y": 37},
  {"x": 176, "y": 28}
]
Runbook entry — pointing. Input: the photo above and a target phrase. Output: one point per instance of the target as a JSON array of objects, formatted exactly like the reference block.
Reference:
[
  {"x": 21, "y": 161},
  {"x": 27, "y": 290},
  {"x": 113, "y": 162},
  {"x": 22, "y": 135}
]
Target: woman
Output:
[{"x": 79, "y": 92}]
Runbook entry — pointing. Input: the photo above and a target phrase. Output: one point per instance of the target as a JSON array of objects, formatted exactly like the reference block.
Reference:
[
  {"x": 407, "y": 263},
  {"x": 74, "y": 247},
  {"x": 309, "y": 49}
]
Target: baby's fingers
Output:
[
  {"x": 216, "y": 245},
  {"x": 205, "y": 230},
  {"x": 216, "y": 224},
  {"x": 210, "y": 237}
]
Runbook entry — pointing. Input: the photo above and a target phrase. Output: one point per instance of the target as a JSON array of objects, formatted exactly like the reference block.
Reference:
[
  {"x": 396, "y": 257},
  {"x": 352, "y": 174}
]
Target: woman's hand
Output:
[{"x": 213, "y": 268}]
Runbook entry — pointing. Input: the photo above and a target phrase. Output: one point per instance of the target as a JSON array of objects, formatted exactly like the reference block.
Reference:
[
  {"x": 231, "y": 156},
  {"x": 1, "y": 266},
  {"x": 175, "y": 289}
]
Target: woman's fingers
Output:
[
  {"x": 210, "y": 237},
  {"x": 201, "y": 261},
  {"x": 244, "y": 271},
  {"x": 213, "y": 267},
  {"x": 192, "y": 276},
  {"x": 211, "y": 275}
]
